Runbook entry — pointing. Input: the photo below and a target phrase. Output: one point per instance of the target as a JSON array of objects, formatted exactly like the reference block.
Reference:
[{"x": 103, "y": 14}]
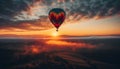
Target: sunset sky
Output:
[{"x": 83, "y": 17}]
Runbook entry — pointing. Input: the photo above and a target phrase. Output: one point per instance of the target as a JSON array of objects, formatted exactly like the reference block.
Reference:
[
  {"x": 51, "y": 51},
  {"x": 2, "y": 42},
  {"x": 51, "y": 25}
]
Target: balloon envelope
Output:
[{"x": 57, "y": 16}]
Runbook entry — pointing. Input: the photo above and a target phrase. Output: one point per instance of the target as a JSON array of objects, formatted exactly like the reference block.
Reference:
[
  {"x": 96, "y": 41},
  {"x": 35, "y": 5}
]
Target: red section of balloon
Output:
[{"x": 57, "y": 16}]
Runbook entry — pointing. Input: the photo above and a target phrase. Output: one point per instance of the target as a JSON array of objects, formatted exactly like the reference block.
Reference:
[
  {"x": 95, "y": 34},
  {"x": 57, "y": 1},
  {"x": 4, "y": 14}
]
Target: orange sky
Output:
[
  {"x": 83, "y": 18},
  {"x": 106, "y": 26}
]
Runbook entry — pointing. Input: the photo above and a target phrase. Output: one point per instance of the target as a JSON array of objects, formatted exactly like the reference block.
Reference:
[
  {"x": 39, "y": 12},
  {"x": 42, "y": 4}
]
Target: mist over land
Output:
[{"x": 85, "y": 53}]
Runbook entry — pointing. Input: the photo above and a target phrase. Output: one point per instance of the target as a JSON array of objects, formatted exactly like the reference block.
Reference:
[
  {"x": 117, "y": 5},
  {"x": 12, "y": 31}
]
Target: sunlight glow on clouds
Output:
[
  {"x": 32, "y": 15},
  {"x": 69, "y": 44}
]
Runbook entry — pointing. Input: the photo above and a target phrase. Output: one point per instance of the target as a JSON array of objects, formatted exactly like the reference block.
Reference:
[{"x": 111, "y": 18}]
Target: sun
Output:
[{"x": 55, "y": 34}]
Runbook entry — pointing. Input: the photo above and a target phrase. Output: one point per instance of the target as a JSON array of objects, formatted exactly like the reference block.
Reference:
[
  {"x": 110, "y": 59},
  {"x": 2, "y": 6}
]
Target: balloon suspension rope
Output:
[{"x": 57, "y": 30}]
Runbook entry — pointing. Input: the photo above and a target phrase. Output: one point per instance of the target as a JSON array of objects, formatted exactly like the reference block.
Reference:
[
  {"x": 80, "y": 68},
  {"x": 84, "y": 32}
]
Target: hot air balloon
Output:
[{"x": 57, "y": 17}]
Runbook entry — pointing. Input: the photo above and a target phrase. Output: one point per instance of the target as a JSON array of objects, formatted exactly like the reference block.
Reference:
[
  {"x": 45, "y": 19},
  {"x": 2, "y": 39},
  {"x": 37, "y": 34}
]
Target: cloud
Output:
[
  {"x": 60, "y": 43},
  {"x": 32, "y": 14},
  {"x": 34, "y": 25}
]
